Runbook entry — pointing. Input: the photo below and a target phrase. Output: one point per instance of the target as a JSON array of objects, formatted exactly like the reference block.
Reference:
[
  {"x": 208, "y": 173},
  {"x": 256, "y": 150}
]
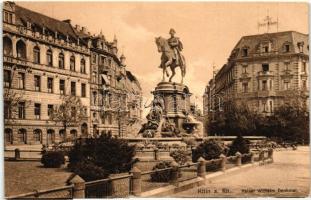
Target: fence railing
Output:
[
  {"x": 64, "y": 192},
  {"x": 137, "y": 182}
]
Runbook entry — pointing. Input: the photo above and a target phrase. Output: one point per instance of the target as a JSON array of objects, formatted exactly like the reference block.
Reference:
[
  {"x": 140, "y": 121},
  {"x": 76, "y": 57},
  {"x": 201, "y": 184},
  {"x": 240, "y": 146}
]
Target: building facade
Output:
[
  {"x": 264, "y": 71},
  {"x": 45, "y": 59}
]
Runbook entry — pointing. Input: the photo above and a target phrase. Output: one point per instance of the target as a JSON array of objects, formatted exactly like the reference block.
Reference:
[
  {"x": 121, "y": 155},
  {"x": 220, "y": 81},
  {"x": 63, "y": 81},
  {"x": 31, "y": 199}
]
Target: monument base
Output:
[{"x": 176, "y": 119}]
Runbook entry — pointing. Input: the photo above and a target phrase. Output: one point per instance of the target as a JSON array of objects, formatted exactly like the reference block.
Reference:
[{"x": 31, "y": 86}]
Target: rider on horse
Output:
[{"x": 176, "y": 45}]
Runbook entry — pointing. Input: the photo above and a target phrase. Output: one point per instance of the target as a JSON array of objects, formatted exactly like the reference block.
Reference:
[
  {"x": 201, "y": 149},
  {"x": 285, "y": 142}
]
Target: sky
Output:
[{"x": 209, "y": 31}]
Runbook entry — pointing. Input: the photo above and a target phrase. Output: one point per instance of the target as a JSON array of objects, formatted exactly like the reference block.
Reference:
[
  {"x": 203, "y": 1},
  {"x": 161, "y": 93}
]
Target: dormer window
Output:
[
  {"x": 265, "y": 67},
  {"x": 7, "y": 17},
  {"x": 245, "y": 52},
  {"x": 287, "y": 48}
]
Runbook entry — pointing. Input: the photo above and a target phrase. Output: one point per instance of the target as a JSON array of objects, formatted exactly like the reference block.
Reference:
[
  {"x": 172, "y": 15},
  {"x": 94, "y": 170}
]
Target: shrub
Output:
[
  {"x": 163, "y": 176},
  {"x": 53, "y": 159},
  {"x": 112, "y": 154},
  {"x": 239, "y": 144},
  {"x": 89, "y": 171},
  {"x": 180, "y": 156},
  {"x": 209, "y": 149}
]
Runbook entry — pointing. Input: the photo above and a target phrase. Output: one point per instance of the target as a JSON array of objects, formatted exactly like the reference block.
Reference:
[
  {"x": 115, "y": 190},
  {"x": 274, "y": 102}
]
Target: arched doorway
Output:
[
  {"x": 8, "y": 136},
  {"x": 84, "y": 131},
  {"x": 50, "y": 136},
  {"x": 22, "y": 136}
]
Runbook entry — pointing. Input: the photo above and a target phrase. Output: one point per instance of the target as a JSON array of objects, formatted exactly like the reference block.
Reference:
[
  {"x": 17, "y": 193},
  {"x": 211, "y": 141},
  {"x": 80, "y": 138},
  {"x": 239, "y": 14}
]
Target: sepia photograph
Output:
[{"x": 155, "y": 99}]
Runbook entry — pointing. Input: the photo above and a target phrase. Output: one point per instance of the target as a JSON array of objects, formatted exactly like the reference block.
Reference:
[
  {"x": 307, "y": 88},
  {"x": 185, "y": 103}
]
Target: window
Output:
[
  {"x": 50, "y": 85},
  {"x": 245, "y": 87},
  {"x": 21, "y": 110},
  {"x": 50, "y": 136},
  {"x": 37, "y": 110},
  {"x": 304, "y": 67},
  {"x": 72, "y": 63},
  {"x": 73, "y": 88},
  {"x": 265, "y": 67},
  {"x": 271, "y": 106},
  {"x": 7, "y": 46},
  {"x": 94, "y": 98},
  {"x": 286, "y": 64},
  {"x": 265, "y": 49},
  {"x": 264, "y": 85},
  {"x": 62, "y": 86},
  {"x": 7, "y": 78},
  {"x": 94, "y": 58},
  {"x": 94, "y": 75},
  {"x": 304, "y": 84},
  {"x": 244, "y": 69},
  {"x": 36, "y": 55},
  {"x": 21, "y": 80},
  {"x": 73, "y": 134},
  {"x": 83, "y": 90},
  {"x": 37, "y": 135},
  {"x": 7, "y": 110},
  {"x": 62, "y": 135},
  {"x": 37, "y": 83},
  {"x": 73, "y": 111},
  {"x": 49, "y": 57},
  {"x": 8, "y": 135},
  {"x": 270, "y": 84},
  {"x": 102, "y": 60},
  {"x": 50, "y": 109},
  {"x": 287, "y": 48},
  {"x": 61, "y": 61},
  {"x": 286, "y": 85},
  {"x": 245, "y": 52},
  {"x": 8, "y": 17},
  {"x": 82, "y": 66},
  {"x": 22, "y": 136},
  {"x": 21, "y": 49}
]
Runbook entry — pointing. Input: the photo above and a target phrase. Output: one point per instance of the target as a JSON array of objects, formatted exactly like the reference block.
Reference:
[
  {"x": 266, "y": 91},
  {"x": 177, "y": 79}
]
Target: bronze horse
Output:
[{"x": 167, "y": 59}]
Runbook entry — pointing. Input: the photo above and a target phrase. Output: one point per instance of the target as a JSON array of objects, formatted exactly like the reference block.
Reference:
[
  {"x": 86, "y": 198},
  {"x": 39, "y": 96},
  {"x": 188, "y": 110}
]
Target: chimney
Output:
[
  {"x": 84, "y": 30},
  {"x": 67, "y": 21},
  {"x": 77, "y": 27}
]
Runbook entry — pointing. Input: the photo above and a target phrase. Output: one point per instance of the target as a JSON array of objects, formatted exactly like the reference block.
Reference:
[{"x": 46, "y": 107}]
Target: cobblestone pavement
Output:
[{"x": 288, "y": 176}]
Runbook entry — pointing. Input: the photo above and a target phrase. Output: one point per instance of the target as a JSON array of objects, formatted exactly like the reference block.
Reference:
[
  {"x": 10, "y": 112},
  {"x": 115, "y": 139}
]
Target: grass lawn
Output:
[{"x": 26, "y": 176}]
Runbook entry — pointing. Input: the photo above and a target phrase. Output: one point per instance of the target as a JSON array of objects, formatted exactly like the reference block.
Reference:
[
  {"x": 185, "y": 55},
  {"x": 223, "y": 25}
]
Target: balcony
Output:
[
  {"x": 265, "y": 93},
  {"x": 265, "y": 74}
]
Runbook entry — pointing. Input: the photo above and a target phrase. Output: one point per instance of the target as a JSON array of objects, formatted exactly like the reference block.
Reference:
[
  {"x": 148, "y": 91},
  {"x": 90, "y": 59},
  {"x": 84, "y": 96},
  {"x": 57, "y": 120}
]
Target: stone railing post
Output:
[
  {"x": 238, "y": 158},
  {"x": 156, "y": 153},
  {"x": 78, "y": 187},
  {"x": 175, "y": 171},
  {"x": 261, "y": 156},
  {"x": 201, "y": 171},
  {"x": 17, "y": 154},
  {"x": 270, "y": 154},
  {"x": 136, "y": 181},
  {"x": 252, "y": 157},
  {"x": 223, "y": 162}
]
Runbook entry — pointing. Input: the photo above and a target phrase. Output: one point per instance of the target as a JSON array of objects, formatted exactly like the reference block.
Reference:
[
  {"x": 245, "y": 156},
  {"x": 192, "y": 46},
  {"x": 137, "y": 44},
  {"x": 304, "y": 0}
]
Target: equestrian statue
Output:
[{"x": 171, "y": 56}]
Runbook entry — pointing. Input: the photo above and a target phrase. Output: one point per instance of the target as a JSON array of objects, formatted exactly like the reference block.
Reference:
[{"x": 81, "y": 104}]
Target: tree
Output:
[
  {"x": 69, "y": 113},
  {"x": 112, "y": 154}
]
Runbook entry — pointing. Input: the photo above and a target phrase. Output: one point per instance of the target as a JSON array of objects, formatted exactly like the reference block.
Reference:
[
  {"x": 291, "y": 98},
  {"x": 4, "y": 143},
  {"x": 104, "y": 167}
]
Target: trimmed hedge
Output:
[{"x": 163, "y": 176}]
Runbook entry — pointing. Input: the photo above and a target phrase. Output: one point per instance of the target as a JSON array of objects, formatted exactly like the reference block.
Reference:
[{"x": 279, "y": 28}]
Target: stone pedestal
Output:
[{"x": 176, "y": 98}]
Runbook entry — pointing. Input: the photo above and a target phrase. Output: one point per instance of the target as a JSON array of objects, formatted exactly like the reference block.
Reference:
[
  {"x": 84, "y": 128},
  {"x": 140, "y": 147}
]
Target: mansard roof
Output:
[{"x": 24, "y": 15}]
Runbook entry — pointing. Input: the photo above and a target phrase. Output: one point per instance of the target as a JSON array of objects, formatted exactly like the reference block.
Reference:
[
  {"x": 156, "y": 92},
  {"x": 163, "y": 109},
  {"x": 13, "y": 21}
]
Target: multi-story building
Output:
[
  {"x": 44, "y": 59},
  {"x": 263, "y": 71}
]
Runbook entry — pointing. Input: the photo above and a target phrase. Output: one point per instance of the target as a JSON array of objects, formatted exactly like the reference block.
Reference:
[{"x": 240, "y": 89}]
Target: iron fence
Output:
[
  {"x": 65, "y": 192},
  {"x": 115, "y": 187},
  {"x": 155, "y": 179}
]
